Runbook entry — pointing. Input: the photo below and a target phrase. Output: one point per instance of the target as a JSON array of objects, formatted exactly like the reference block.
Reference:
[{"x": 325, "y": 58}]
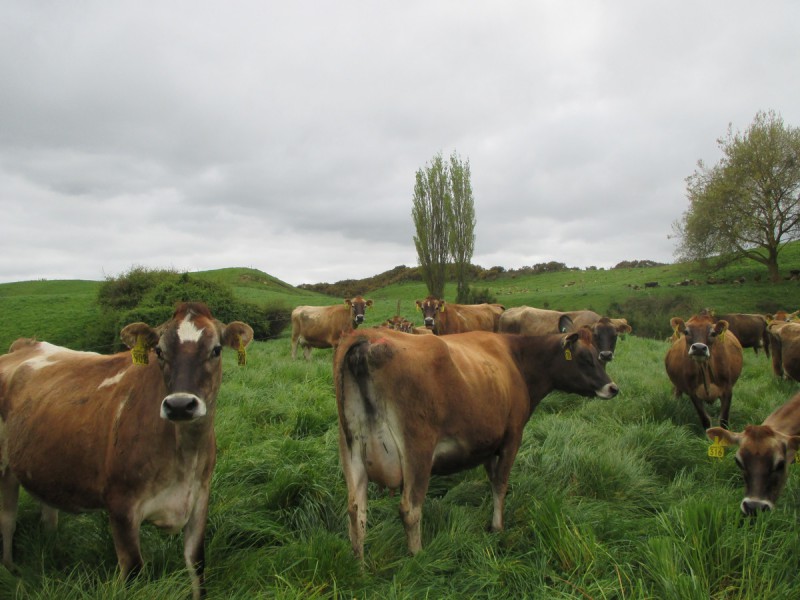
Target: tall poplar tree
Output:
[
  {"x": 430, "y": 213},
  {"x": 462, "y": 224}
]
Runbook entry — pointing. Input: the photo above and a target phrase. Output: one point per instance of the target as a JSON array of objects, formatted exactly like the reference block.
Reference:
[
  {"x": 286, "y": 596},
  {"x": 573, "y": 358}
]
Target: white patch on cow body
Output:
[
  {"x": 46, "y": 353},
  {"x": 188, "y": 331},
  {"x": 171, "y": 507},
  {"x": 112, "y": 380}
]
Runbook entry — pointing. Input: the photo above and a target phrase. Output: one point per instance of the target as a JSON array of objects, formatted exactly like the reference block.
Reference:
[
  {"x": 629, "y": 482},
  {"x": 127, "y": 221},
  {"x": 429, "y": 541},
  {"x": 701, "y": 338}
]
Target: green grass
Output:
[{"x": 608, "y": 498}]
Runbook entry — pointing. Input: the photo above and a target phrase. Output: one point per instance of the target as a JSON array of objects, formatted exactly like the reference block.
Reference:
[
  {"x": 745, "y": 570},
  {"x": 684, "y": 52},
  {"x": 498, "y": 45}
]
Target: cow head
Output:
[
  {"x": 700, "y": 332},
  {"x": 358, "y": 306},
  {"x": 605, "y": 333},
  {"x": 582, "y": 372},
  {"x": 763, "y": 457},
  {"x": 430, "y": 307},
  {"x": 188, "y": 349}
]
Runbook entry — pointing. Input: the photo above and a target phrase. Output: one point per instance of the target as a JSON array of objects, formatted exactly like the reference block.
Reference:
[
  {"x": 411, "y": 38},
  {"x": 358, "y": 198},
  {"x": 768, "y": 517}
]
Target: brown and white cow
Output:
[
  {"x": 704, "y": 362},
  {"x": 445, "y": 318},
  {"x": 750, "y": 330},
  {"x": 83, "y": 431},
  {"x": 400, "y": 422},
  {"x": 784, "y": 340},
  {"x": 764, "y": 455},
  {"x": 539, "y": 321},
  {"x": 322, "y": 326}
]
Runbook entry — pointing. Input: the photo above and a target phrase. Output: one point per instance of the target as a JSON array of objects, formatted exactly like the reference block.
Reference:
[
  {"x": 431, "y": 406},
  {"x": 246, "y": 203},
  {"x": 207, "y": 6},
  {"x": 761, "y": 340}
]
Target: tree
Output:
[
  {"x": 432, "y": 198},
  {"x": 462, "y": 224},
  {"x": 748, "y": 204}
]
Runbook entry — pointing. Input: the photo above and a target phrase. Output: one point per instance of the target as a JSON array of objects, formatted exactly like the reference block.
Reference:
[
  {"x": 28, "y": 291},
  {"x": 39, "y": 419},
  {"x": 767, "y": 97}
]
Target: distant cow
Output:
[
  {"x": 443, "y": 318},
  {"x": 704, "y": 362},
  {"x": 764, "y": 454},
  {"x": 750, "y": 330},
  {"x": 785, "y": 344},
  {"x": 82, "y": 431},
  {"x": 538, "y": 321},
  {"x": 412, "y": 406},
  {"x": 322, "y": 326}
]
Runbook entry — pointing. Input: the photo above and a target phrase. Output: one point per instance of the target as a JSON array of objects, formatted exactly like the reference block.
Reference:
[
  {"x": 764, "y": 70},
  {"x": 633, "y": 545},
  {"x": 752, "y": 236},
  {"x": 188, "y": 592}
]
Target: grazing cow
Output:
[
  {"x": 445, "y": 319},
  {"x": 765, "y": 452},
  {"x": 400, "y": 422},
  {"x": 322, "y": 326},
  {"x": 750, "y": 330},
  {"x": 704, "y": 362},
  {"x": 82, "y": 431},
  {"x": 538, "y": 321},
  {"x": 785, "y": 345}
]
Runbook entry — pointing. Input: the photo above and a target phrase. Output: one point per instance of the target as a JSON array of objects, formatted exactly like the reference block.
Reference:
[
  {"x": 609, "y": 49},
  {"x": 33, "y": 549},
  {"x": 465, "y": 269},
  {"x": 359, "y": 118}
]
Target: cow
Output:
[
  {"x": 704, "y": 362},
  {"x": 322, "y": 326},
  {"x": 764, "y": 454},
  {"x": 82, "y": 431},
  {"x": 444, "y": 319},
  {"x": 538, "y": 321},
  {"x": 750, "y": 330},
  {"x": 400, "y": 422},
  {"x": 784, "y": 339}
]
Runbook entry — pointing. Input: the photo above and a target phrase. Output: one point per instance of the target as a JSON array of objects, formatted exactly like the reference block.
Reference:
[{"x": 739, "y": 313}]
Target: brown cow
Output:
[
  {"x": 82, "y": 431},
  {"x": 399, "y": 423},
  {"x": 765, "y": 451},
  {"x": 538, "y": 321},
  {"x": 785, "y": 344},
  {"x": 750, "y": 330},
  {"x": 704, "y": 362},
  {"x": 322, "y": 326},
  {"x": 443, "y": 318}
]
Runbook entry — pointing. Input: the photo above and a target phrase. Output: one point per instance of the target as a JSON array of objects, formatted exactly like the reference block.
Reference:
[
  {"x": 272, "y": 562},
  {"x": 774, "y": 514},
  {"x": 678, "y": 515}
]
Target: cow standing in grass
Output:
[
  {"x": 82, "y": 431},
  {"x": 322, "y": 326},
  {"x": 445, "y": 318}
]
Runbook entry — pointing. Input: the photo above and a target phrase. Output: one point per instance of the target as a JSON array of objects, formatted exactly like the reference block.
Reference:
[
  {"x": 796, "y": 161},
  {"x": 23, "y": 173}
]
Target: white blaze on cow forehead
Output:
[{"x": 188, "y": 331}]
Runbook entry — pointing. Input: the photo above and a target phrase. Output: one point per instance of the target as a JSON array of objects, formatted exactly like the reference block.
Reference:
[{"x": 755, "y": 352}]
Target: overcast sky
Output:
[{"x": 285, "y": 136}]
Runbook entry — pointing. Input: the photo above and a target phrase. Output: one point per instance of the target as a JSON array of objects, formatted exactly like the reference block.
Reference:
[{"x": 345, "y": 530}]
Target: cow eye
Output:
[
  {"x": 779, "y": 466},
  {"x": 159, "y": 352},
  {"x": 216, "y": 351}
]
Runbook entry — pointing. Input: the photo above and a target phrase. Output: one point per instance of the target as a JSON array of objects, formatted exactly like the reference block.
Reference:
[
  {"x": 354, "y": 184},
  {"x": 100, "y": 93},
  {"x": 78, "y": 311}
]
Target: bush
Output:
[{"x": 649, "y": 316}]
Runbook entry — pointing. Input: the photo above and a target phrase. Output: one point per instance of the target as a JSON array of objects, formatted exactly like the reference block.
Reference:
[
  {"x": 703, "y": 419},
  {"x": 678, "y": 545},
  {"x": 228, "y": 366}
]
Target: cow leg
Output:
[
  {"x": 355, "y": 476},
  {"x": 294, "y": 347},
  {"x": 9, "y": 490},
  {"x": 49, "y": 517},
  {"x": 701, "y": 411},
  {"x": 307, "y": 352},
  {"x": 415, "y": 488},
  {"x": 194, "y": 533},
  {"x": 125, "y": 531},
  {"x": 498, "y": 468},
  {"x": 725, "y": 409}
]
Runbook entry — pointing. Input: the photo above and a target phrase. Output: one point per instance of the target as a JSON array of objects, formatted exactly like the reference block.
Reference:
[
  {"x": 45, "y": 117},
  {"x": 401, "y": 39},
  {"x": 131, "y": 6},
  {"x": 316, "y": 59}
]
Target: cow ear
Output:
[
  {"x": 237, "y": 335},
  {"x": 564, "y": 324},
  {"x": 721, "y": 327},
  {"x": 139, "y": 334},
  {"x": 623, "y": 326},
  {"x": 731, "y": 437},
  {"x": 677, "y": 324},
  {"x": 369, "y": 303},
  {"x": 347, "y": 301},
  {"x": 419, "y": 306}
]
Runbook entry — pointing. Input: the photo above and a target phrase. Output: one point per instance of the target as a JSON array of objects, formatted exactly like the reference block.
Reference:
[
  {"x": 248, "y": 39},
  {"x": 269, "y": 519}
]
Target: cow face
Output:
[
  {"x": 430, "y": 308},
  {"x": 188, "y": 350},
  {"x": 582, "y": 371},
  {"x": 605, "y": 332},
  {"x": 701, "y": 332},
  {"x": 763, "y": 457},
  {"x": 358, "y": 306}
]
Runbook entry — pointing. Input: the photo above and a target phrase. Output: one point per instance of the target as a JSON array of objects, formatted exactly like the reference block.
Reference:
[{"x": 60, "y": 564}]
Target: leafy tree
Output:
[
  {"x": 462, "y": 224},
  {"x": 431, "y": 209},
  {"x": 748, "y": 204}
]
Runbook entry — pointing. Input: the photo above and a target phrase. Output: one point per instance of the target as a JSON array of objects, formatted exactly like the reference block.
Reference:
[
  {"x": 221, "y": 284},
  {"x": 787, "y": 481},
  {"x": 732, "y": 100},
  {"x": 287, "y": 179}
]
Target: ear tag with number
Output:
[
  {"x": 139, "y": 351},
  {"x": 568, "y": 354},
  {"x": 717, "y": 449},
  {"x": 241, "y": 353}
]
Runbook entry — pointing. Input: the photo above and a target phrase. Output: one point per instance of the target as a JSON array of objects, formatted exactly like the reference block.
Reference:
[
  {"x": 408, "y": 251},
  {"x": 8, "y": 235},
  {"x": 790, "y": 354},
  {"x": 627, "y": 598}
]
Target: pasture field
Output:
[{"x": 608, "y": 498}]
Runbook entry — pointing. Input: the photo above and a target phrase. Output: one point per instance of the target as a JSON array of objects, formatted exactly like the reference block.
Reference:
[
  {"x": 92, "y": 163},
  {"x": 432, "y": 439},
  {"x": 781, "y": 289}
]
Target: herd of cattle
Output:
[{"x": 133, "y": 434}]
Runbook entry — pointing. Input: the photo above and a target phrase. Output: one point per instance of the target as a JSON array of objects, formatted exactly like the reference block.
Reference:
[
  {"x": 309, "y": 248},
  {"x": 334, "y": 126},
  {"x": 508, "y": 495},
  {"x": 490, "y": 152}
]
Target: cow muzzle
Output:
[
  {"x": 752, "y": 506},
  {"x": 182, "y": 407},
  {"x": 428, "y": 322},
  {"x": 359, "y": 319},
  {"x": 699, "y": 351},
  {"x": 606, "y": 356},
  {"x": 609, "y": 390}
]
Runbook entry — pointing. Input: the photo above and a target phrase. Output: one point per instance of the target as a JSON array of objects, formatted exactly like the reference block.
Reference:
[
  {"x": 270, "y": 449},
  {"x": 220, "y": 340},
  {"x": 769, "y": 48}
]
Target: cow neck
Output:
[
  {"x": 533, "y": 355},
  {"x": 786, "y": 418}
]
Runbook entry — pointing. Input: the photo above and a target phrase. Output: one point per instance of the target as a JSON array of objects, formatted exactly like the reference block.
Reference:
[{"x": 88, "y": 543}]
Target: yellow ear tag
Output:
[
  {"x": 717, "y": 449},
  {"x": 567, "y": 354},
  {"x": 139, "y": 351},
  {"x": 241, "y": 353},
  {"x": 797, "y": 458}
]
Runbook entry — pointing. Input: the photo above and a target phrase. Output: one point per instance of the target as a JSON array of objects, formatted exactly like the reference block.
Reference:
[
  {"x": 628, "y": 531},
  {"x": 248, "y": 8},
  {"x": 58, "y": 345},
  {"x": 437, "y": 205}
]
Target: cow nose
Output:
[
  {"x": 752, "y": 506},
  {"x": 698, "y": 349},
  {"x": 609, "y": 390},
  {"x": 428, "y": 321},
  {"x": 359, "y": 319},
  {"x": 606, "y": 356},
  {"x": 182, "y": 407}
]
